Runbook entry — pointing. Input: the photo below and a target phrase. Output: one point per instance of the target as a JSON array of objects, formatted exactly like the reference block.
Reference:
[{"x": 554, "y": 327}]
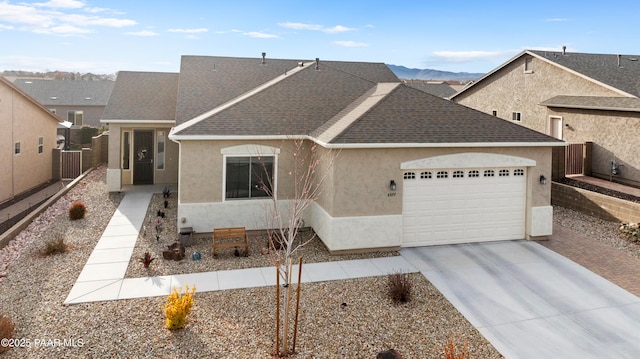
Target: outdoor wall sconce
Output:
[
  {"x": 392, "y": 185},
  {"x": 543, "y": 179}
]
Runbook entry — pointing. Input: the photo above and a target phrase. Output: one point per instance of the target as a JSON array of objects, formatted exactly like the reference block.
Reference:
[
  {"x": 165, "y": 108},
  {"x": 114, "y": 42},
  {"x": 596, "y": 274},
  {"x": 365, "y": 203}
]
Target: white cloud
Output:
[
  {"x": 556, "y": 20},
  {"x": 61, "y": 4},
  {"x": 20, "y": 14},
  {"x": 467, "y": 56},
  {"x": 300, "y": 26},
  {"x": 350, "y": 44},
  {"x": 5, "y": 27},
  {"x": 260, "y": 35},
  {"x": 314, "y": 27},
  {"x": 189, "y": 31},
  {"x": 63, "y": 30},
  {"x": 95, "y": 10},
  {"x": 143, "y": 33}
]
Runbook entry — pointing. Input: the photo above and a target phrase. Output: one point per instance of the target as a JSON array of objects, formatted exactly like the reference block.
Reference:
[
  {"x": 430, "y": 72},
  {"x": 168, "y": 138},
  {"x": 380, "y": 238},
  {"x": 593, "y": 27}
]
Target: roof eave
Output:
[{"x": 137, "y": 121}]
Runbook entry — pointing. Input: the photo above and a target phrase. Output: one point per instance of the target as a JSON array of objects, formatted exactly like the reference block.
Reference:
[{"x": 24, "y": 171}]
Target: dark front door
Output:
[{"x": 143, "y": 157}]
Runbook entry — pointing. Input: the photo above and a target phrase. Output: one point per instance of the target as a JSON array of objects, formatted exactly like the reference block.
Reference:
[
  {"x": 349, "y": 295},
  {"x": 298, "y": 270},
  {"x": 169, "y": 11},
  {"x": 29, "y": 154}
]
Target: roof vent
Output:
[
  {"x": 87, "y": 98},
  {"x": 564, "y": 50},
  {"x": 619, "y": 58},
  {"x": 317, "y": 63},
  {"x": 264, "y": 58},
  {"x": 300, "y": 64},
  {"x": 54, "y": 98},
  {"x": 633, "y": 59}
]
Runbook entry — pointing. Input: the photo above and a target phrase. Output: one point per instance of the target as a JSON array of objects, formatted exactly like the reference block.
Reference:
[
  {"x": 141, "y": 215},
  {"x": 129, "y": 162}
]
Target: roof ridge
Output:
[
  {"x": 239, "y": 98},
  {"x": 350, "y": 114}
]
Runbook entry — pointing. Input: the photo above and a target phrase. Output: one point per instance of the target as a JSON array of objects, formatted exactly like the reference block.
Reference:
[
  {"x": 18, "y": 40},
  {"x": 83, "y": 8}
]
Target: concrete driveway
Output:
[{"x": 531, "y": 302}]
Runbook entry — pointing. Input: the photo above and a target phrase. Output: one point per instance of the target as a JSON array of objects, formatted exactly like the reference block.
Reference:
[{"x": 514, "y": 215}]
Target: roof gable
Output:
[
  {"x": 149, "y": 96},
  {"x": 9, "y": 84}
]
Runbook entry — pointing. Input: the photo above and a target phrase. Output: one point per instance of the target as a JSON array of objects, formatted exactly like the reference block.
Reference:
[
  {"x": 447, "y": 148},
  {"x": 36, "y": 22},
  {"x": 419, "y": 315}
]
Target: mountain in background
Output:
[
  {"x": 56, "y": 75},
  {"x": 428, "y": 74}
]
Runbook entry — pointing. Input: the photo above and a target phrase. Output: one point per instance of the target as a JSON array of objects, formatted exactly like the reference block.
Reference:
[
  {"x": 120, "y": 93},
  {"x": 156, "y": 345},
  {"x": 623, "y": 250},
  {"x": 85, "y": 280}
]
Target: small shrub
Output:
[
  {"x": 6, "y": 331},
  {"x": 450, "y": 351},
  {"x": 55, "y": 246},
  {"x": 178, "y": 307},
  {"x": 77, "y": 210},
  {"x": 630, "y": 230},
  {"x": 399, "y": 285},
  {"x": 146, "y": 260}
]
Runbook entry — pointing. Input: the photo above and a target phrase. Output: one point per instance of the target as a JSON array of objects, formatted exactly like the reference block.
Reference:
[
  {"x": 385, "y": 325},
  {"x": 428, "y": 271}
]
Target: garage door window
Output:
[
  {"x": 503, "y": 173},
  {"x": 425, "y": 175},
  {"x": 518, "y": 172},
  {"x": 409, "y": 175},
  {"x": 489, "y": 173},
  {"x": 442, "y": 174},
  {"x": 474, "y": 173},
  {"x": 458, "y": 174}
]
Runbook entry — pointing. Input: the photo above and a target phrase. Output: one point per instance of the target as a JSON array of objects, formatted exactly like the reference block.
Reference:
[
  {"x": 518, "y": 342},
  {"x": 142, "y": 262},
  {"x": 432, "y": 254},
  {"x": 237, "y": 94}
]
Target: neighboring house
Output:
[
  {"x": 140, "y": 114},
  {"x": 27, "y": 140},
  {"x": 411, "y": 169},
  {"x": 436, "y": 88},
  {"x": 576, "y": 97},
  {"x": 79, "y": 102}
]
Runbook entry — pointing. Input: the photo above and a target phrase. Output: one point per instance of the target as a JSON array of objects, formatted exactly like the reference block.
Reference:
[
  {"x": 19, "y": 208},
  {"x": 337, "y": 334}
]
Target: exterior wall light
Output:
[
  {"x": 543, "y": 179},
  {"x": 392, "y": 185}
]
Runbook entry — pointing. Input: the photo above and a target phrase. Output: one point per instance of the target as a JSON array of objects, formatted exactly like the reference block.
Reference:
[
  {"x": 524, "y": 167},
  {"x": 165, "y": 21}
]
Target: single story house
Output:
[
  {"x": 577, "y": 97},
  {"x": 411, "y": 168}
]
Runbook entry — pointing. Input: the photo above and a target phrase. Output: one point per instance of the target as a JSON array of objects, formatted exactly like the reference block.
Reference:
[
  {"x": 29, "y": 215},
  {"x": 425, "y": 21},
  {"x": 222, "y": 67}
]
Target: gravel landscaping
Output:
[{"x": 346, "y": 319}]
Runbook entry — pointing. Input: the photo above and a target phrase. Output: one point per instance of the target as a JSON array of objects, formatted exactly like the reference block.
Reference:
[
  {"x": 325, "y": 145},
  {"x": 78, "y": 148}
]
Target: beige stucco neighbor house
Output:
[
  {"x": 411, "y": 169},
  {"x": 27, "y": 140},
  {"x": 576, "y": 97}
]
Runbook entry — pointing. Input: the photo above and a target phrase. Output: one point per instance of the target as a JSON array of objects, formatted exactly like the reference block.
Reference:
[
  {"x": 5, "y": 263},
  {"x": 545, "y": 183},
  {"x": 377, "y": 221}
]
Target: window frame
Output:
[
  {"x": 160, "y": 152},
  {"x": 75, "y": 114},
  {"x": 126, "y": 150},
  {"x": 17, "y": 148},
  {"x": 40, "y": 145},
  {"x": 250, "y": 157},
  {"x": 516, "y": 116}
]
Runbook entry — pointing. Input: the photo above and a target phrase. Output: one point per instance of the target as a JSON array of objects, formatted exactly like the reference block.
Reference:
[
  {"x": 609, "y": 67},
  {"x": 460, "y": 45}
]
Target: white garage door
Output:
[{"x": 442, "y": 206}]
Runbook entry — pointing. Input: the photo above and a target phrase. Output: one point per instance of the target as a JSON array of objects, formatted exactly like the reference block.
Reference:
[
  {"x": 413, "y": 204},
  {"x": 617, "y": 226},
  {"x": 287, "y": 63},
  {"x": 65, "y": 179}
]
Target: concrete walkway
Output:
[{"x": 531, "y": 302}]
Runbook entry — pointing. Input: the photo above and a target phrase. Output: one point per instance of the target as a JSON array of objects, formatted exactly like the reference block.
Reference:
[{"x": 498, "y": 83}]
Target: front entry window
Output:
[{"x": 246, "y": 176}]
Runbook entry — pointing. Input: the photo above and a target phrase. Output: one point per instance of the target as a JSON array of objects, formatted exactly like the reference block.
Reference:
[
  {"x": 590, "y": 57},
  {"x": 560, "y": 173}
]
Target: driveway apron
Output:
[{"x": 531, "y": 302}]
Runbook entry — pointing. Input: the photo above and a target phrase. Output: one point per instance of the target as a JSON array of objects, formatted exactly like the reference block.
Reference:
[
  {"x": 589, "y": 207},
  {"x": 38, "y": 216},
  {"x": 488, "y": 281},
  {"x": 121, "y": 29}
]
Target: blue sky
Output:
[{"x": 138, "y": 35}]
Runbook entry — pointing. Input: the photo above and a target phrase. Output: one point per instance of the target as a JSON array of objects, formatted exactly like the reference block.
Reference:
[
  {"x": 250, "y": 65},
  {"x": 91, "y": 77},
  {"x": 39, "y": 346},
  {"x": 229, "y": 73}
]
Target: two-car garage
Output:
[{"x": 469, "y": 197}]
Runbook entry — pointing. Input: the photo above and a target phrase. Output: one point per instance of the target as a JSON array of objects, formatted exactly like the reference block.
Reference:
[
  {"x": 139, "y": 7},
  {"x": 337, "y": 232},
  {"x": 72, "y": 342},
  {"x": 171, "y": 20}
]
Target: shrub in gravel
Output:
[
  {"x": 630, "y": 230},
  {"x": 54, "y": 246},
  {"x": 77, "y": 210},
  {"x": 6, "y": 331},
  {"x": 450, "y": 351},
  {"x": 177, "y": 307},
  {"x": 399, "y": 285}
]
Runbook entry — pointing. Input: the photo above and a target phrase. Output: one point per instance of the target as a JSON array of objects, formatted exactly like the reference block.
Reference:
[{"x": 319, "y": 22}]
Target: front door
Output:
[{"x": 143, "y": 157}]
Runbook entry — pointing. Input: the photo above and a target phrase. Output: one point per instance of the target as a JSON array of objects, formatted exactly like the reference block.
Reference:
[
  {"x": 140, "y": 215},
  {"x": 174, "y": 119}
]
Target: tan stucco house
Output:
[
  {"x": 27, "y": 140},
  {"x": 576, "y": 97},
  {"x": 411, "y": 169}
]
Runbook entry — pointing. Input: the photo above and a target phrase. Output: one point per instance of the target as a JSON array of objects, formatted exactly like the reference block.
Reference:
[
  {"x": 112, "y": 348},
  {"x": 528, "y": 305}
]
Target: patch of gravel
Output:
[
  {"x": 605, "y": 231},
  {"x": 222, "y": 324}
]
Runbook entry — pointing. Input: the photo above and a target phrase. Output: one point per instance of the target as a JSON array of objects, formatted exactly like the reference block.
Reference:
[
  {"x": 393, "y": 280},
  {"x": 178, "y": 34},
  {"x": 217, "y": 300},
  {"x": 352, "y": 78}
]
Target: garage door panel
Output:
[{"x": 467, "y": 209}]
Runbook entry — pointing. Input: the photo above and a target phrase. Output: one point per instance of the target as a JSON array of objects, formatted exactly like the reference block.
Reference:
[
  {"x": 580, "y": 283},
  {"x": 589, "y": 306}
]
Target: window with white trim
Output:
[
  {"x": 503, "y": 173},
  {"x": 458, "y": 174},
  {"x": 126, "y": 149},
  {"x": 40, "y": 144},
  {"x": 442, "y": 174},
  {"x": 75, "y": 117},
  {"x": 16, "y": 148},
  {"x": 489, "y": 173},
  {"x": 516, "y": 116},
  {"x": 249, "y": 177},
  {"x": 409, "y": 175},
  {"x": 425, "y": 175},
  {"x": 160, "y": 146}
]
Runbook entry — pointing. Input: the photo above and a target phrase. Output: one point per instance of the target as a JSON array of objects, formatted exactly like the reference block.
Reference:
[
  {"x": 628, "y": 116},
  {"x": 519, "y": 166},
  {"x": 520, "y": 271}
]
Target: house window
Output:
[
  {"x": 494, "y": 112},
  {"x": 503, "y": 173},
  {"x": 516, "y": 116},
  {"x": 518, "y": 172},
  {"x": 126, "y": 149},
  {"x": 75, "y": 117},
  {"x": 458, "y": 174},
  {"x": 160, "y": 147},
  {"x": 489, "y": 173},
  {"x": 425, "y": 175},
  {"x": 40, "y": 144},
  {"x": 247, "y": 176},
  {"x": 474, "y": 173},
  {"x": 442, "y": 174},
  {"x": 16, "y": 148},
  {"x": 409, "y": 175}
]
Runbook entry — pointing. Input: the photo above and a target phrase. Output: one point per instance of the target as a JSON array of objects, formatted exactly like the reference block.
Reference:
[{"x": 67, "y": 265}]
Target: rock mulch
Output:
[{"x": 349, "y": 319}]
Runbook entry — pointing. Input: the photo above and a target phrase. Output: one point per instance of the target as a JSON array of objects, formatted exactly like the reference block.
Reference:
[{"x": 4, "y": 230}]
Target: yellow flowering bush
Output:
[{"x": 178, "y": 307}]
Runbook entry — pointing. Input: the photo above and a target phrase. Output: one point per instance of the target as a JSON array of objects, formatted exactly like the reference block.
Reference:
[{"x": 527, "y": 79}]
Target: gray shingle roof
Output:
[
  {"x": 440, "y": 90},
  {"x": 595, "y": 103},
  {"x": 143, "y": 96},
  {"x": 408, "y": 115},
  {"x": 601, "y": 67},
  {"x": 67, "y": 92}
]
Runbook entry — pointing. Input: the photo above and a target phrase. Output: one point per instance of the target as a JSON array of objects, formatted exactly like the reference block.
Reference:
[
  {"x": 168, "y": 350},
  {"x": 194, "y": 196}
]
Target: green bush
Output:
[{"x": 86, "y": 133}]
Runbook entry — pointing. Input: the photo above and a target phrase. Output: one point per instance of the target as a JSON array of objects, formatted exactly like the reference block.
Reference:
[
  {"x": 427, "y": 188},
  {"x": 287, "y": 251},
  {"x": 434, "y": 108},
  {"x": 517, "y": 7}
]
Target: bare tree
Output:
[{"x": 310, "y": 170}]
